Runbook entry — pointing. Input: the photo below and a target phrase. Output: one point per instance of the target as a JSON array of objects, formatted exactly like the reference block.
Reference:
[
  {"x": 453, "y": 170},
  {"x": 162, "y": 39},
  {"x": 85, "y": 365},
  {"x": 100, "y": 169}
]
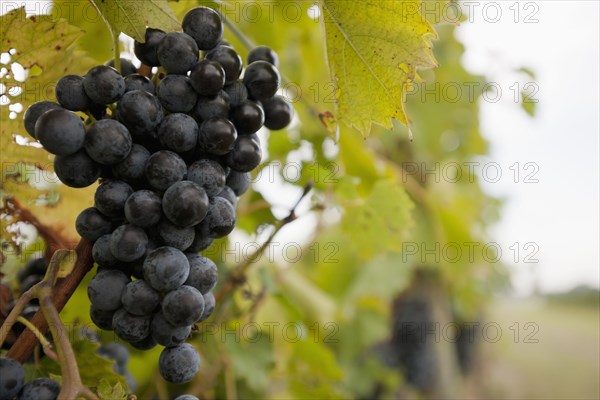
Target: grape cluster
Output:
[
  {"x": 12, "y": 383},
  {"x": 173, "y": 154}
]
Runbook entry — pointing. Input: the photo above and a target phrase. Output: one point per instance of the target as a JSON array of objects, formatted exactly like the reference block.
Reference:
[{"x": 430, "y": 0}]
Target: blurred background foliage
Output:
[{"x": 320, "y": 320}]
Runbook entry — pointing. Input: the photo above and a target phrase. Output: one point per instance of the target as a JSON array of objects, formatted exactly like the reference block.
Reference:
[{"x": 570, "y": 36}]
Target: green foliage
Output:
[
  {"x": 132, "y": 17},
  {"x": 374, "y": 50}
]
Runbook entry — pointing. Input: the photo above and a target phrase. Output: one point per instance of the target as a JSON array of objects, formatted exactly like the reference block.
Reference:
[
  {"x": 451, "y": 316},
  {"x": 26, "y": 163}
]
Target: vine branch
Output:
[
  {"x": 23, "y": 347},
  {"x": 237, "y": 276}
]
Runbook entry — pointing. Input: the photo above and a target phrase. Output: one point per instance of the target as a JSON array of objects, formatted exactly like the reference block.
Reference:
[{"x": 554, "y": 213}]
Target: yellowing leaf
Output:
[
  {"x": 132, "y": 17},
  {"x": 43, "y": 45},
  {"x": 374, "y": 48}
]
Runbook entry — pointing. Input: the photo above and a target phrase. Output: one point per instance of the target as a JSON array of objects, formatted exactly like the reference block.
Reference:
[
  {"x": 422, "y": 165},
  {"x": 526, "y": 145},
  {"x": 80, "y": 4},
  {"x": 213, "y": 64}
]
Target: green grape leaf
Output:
[
  {"x": 382, "y": 221},
  {"x": 252, "y": 360},
  {"x": 374, "y": 49},
  {"x": 93, "y": 368},
  {"x": 108, "y": 391},
  {"x": 132, "y": 17}
]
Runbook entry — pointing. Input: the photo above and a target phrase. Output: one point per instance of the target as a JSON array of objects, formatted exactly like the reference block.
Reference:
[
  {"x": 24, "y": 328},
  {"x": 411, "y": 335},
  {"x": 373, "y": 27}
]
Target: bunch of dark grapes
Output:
[
  {"x": 172, "y": 159},
  {"x": 12, "y": 383}
]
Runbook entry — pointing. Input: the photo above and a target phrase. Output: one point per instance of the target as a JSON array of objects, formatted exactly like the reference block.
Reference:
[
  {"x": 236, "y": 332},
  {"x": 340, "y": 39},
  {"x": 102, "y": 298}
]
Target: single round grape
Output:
[
  {"x": 145, "y": 344},
  {"x": 239, "y": 182},
  {"x": 105, "y": 288},
  {"x": 185, "y": 204},
  {"x": 70, "y": 93},
  {"x": 138, "y": 82},
  {"x": 220, "y": 219},
  {"x": 40, "y": 389},
  {"x": 205, "y": 26},
  {"x": 186, "y": 397},
  {"x": 228, "y": 194},
  {"x": 177, "y": 52},
  {"x": 262, "y": 80},
  {"x": 263, "y": 53},
  {"x": 91, "y": 224},
  {"x": 200, "y": 242},
  {"x": 179, "y": 364},
  {"x": 143, "y": 208},
  {"x": 104, "y": 84},
  {"x": 166, "y": 268},
  {"x": 101, "y": 252},
  {"x": 209, "y": 306},
  {"x": 207, "y": 78},
  {"x": 110, "y": 198},
  {"x": 127, "y": 67},
  {"x": 278, "y": 113},
  {"x": 248, "y": 117},
  {"x": 139, "y": 298},
  {"x": 245, "y": 155},
  {"x": 237, "y": 93},
  {"x": 128, "y": 243},
  {"x": 164, "y": 168},
  {"x": 176, "y": 94},
  {"x": 147, "y": 52},
  {"x": 108, "y": 142},
  {"x": 115, "y": 351},
  {"x": 12, "y": 377},
  {"x": 175, "y": 236},
  {"x": 133, "y": 168},
  {"x": 229, "y": 59},
  {"x": 217, "y": 136},
  {"x": 61, "y": 132},
  {"x": 102, "y": 319},
  {"x": 35, "y": 111},
  {"x": 178, "y": 132},
  {"x": 166, "y": 334},
  {"x": 209, "y": 175},
  {"x": 76, "y": 170},
  {"x": 211, "y": 107},
  {"x": 183, "y": 306},
  {"x": 129, "y": 327},
  {"x": 140, "y": 112},
  {"x": 203, "y": 273}
]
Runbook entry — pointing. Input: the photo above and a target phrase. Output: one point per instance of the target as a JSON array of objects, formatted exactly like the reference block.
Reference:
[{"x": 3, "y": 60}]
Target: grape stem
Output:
[
  {"x": 46, "y": 345},
  {"x": 72, "y": 386},
  {"x": 237, "y": 276},
  {"x": 23, "y": 347}
]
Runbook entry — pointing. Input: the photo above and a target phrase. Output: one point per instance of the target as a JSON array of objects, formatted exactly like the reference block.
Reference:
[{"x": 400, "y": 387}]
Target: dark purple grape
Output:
[
  {"x": 177, "y": 52},
  {"x": 70, "y": 93},
  {"x": 61, "y": 132},
  {"x": 185, "y": 204},
  {"x": 204, "y": 25},
  {"x": 263, "y": 53},
  {"x": 104, "y": 84},
  {"x": 164, "y": 168},
  {"x": 176, "y": 94},
  {"x": 262, "y": 80},
  {"x": 35, "y": 111},
  {"x": 278, "y": 113},
  {"x": 248, "y": 117},
  {"x": 217, "y": 136},
  {"x": 207, "y": 77},
  {"x": 76, "y": 170},
  {"x": 147, "y": 52},
  {"x": 108, "y": 142},
  {"x": 229, "y": 59}
]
